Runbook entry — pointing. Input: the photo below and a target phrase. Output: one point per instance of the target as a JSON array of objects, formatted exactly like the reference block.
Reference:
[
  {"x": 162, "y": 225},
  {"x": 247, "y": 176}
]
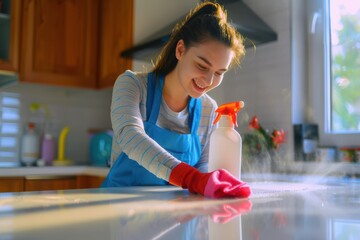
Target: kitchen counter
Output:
[
  {"x": 276, "y": 210},
  {"x": 54, "y": 170}
]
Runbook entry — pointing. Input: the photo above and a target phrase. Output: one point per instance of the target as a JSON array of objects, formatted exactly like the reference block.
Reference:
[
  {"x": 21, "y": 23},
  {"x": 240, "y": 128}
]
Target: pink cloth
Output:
[{"x": 222, "y": 184}]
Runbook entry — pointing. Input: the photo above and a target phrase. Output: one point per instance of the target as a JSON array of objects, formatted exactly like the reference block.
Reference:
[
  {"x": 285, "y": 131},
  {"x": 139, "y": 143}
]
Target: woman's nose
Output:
[{"x": 210, "y": 78}]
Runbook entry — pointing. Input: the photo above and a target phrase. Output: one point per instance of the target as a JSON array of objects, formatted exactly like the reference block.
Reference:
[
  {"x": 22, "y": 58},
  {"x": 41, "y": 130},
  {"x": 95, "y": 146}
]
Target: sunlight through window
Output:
[
  {"x": 345, "y": 66},
  {"x": 10, "y": 129}
]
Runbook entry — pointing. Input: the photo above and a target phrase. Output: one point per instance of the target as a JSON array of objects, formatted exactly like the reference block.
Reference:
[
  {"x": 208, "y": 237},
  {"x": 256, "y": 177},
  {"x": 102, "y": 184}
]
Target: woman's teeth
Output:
[{"x": 198, "y": 85}]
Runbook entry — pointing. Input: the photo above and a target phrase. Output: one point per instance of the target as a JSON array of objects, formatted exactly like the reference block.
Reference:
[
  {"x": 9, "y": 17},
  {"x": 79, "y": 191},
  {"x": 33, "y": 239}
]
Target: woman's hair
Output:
[{"x": 207, "y": 21}]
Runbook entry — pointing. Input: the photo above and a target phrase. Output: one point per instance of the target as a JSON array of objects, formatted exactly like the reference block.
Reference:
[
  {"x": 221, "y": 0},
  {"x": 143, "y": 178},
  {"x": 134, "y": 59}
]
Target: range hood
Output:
[{"x": 251, "y": 27}]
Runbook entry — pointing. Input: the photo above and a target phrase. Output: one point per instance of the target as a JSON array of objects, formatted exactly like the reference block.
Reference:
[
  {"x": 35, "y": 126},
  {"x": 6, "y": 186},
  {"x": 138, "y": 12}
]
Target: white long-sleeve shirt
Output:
[{"x": 128, "y": 111}]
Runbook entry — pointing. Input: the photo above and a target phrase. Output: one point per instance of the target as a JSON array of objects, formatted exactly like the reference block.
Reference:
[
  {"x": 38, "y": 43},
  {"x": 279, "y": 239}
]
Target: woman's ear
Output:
[{"x": 180, "y": 49}]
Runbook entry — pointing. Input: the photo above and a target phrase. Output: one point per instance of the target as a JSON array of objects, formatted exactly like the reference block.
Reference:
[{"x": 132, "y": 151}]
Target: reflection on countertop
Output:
[{"x": 276, "y": 210}]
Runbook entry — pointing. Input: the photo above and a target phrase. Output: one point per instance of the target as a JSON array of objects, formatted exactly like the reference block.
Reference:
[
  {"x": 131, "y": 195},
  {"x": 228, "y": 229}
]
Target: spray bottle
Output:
[
  {"x": 225, "y": 142},
  {"x": 30, "y": 146}
]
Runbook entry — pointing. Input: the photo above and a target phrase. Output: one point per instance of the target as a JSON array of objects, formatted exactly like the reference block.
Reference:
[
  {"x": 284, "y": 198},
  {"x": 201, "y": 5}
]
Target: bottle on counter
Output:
[
  {"x": 225, "y": 148},
  {"x": 30, "y": 146},
  {"x": 48, "y": 149}
]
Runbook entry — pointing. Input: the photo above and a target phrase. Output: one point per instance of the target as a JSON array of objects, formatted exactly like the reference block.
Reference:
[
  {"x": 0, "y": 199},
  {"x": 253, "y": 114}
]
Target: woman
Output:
[{"x": 162, "y": 120}]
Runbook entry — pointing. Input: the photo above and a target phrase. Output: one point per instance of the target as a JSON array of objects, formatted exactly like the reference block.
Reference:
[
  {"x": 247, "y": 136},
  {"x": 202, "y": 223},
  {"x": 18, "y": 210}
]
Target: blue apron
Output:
[{"x": 184, "y": 147}]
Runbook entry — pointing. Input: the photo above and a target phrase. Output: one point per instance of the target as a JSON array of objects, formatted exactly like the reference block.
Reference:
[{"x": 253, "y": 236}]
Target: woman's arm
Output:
[{"x": 129, "y": 130}]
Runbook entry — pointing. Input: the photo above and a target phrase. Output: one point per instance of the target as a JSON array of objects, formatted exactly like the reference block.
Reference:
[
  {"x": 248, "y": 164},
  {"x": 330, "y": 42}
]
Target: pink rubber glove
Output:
[{"x": 217, "y": 184}]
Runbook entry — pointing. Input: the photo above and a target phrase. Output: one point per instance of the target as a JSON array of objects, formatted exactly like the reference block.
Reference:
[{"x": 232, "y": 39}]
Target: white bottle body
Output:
[
  {"x": 30, "y": 147},
  {"x": 225, "y": 148}
]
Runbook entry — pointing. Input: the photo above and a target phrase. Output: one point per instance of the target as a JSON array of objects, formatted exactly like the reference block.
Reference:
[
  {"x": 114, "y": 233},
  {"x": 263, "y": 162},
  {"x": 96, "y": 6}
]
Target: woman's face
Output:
[{"x": 201, "y": 68}]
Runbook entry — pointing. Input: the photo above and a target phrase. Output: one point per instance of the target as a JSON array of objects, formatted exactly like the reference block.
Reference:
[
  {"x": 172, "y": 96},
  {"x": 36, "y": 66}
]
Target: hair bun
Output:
[{"x": 207, "y": 8}]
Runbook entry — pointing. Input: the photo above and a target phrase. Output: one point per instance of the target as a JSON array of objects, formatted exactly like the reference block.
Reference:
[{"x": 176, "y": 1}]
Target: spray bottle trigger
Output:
[
  {"x": 233, "y": 118},
  {"x": 218, "y": 116},
  {"x": 229, "y": 109}
]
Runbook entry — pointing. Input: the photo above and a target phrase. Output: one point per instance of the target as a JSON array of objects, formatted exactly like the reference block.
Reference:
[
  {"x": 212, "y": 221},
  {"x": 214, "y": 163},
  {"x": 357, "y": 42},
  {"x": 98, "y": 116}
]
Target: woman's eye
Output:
[
  {"x": 219, "y": 74},
  {"x": 201, "y": 67}
]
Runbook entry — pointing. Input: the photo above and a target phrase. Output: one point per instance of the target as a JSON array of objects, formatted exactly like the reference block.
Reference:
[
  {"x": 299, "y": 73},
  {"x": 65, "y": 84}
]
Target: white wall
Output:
[{"x": 263, "y": 81}]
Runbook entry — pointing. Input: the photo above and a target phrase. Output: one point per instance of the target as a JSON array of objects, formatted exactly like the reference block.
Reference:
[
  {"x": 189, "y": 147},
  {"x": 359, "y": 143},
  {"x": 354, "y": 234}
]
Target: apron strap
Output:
[
  {"x": 153, "y": 101},
  {"x": 154, "y": 96},
  {"x": 194, "y": 108}
]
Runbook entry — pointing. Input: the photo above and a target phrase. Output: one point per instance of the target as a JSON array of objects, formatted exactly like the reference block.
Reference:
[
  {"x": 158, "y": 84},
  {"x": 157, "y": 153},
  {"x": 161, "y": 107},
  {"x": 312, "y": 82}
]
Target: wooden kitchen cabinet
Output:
[
  {"x": 12, "y": 184},
  {"x": 75, "y": 43},
  {"x": 42, "y": 183},
  {"x": 10, "y": 19},
  {"x": 59, "y": 42},
  {"x": 85, "y": 181},
  {"x": 51, "y": 182},
  {"x": 116, "y": 35}
]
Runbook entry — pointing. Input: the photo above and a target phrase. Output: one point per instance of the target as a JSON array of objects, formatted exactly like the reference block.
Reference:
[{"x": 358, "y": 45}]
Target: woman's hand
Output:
[
  {"x": 222, "y": 184},
  {"x": 217, "y": 184}
]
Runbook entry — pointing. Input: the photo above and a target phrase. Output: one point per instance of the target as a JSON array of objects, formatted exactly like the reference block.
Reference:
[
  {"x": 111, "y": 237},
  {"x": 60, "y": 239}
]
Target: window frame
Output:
[{"x": 318, "y": 22}]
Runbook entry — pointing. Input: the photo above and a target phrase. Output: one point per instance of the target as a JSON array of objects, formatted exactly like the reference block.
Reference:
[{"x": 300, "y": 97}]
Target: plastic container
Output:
[
  {"x": 225, "y": 142},
  {"x": 48, "y": 149},
  {"x": 100, "y": 149},
  {"x": 30, "y": 146}
]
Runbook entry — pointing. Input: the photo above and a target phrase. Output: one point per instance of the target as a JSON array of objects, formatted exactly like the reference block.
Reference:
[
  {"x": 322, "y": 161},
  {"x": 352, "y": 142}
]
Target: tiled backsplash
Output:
[{"x": 80, "y": 109}]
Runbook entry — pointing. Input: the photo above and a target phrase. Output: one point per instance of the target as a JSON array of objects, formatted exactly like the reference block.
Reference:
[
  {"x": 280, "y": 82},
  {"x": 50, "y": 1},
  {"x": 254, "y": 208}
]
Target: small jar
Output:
[
  {"x": 347, "y": 154},
  {"x": 48, "y": 149}
]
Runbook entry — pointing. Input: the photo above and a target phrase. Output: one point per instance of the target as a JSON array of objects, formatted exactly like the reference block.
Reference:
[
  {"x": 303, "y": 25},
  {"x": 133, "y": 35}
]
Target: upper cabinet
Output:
[
  {"x": 75, "y": 43},
  {"x": 10, "y": 18},
  {"x": 116, "y": 33}
]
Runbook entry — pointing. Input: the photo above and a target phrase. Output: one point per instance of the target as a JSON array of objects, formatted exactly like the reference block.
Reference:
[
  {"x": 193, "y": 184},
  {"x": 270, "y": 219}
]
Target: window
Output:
[
  {"x": 10, "y": 129},
  {"x": 345, "y": 66},
  {"x": 334, "y": 70}
]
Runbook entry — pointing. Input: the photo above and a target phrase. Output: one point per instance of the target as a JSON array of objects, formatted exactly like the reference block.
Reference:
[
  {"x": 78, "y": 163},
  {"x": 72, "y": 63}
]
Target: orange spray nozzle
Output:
[{"x": 229, "y": 109}]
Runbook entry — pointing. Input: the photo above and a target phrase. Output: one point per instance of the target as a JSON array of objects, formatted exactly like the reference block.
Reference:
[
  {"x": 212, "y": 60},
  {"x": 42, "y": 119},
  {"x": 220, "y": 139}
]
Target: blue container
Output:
[{"x": 100, "y": 149}]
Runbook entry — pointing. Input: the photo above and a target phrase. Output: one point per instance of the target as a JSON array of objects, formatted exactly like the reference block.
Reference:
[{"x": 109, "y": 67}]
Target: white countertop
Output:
[
  {"x": 275, "y": 210},
  {"x": 54, "y": 170}
]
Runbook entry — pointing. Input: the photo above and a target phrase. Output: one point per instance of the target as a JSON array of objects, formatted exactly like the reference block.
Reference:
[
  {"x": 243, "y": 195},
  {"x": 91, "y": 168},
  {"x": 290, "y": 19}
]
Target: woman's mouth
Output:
[{"x": 198, "y": 86}]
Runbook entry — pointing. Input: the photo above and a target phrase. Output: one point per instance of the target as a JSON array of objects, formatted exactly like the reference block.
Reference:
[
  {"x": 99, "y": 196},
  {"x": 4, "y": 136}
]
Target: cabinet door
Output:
[
  {"x": 84, "y": 181},
  {"x": 116, "y": 33},
  {"x": 11, "y": 184},
  {"x": 42, "y": 183},
  {"x": 59, "y": 42},
  {"x": 10, "y": 17}
]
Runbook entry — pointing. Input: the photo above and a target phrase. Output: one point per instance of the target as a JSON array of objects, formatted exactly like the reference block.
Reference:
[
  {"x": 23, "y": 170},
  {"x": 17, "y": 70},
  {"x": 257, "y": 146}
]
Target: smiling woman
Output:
[{"x": 162, "y": 120}]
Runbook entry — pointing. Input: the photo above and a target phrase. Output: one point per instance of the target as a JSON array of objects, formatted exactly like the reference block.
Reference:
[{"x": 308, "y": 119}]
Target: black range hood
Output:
[{"x": 251, "y": 27}]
